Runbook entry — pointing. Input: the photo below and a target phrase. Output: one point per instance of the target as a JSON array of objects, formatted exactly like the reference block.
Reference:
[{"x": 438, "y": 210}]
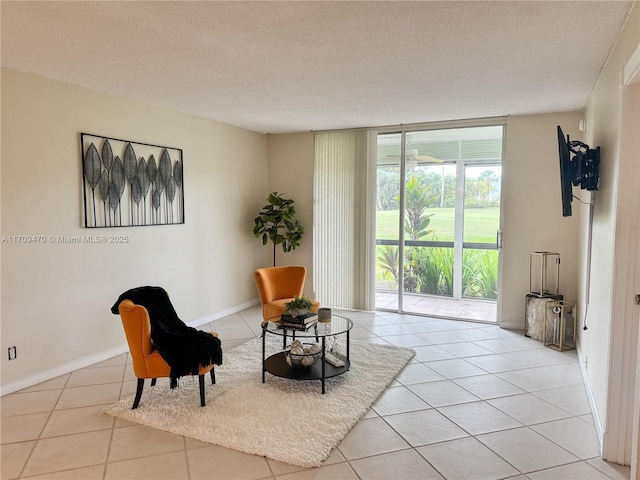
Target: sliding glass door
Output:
[{"x": 438, "y": 221}]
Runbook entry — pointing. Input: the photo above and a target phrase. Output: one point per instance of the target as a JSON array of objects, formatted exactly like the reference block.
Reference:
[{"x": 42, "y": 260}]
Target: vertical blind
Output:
[{"x": 344, "y": 225}]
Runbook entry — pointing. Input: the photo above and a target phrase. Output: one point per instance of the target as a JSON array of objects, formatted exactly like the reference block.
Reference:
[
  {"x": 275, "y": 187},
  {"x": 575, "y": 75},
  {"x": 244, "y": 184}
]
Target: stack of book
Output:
[{"x": 301, "y": 322}]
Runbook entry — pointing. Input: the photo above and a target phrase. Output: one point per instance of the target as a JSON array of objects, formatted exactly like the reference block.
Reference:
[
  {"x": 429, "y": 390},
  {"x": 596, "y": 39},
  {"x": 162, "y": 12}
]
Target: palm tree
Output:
[
  {"x": 416, "y": 201},
  {"x": 487, "y": 181}
]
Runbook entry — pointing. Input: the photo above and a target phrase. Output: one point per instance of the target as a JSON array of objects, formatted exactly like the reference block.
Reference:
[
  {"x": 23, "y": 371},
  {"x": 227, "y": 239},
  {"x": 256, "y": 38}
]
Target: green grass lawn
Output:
[{"x": 481, "y": 224}]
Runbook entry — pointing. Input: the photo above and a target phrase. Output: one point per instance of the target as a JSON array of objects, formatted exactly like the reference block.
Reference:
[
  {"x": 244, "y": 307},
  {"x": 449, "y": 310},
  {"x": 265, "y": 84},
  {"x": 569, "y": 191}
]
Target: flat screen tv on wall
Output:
[{"x": 579, "y": 166}]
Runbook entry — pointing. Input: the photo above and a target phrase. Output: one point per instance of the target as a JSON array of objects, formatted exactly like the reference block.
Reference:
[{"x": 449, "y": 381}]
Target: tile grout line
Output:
[{"x": 37, "y": 440}]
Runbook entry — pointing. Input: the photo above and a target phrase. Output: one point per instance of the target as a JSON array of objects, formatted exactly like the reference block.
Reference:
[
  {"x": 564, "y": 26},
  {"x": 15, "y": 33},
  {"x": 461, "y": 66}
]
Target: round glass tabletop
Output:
[{"x": 336, "y": 326}]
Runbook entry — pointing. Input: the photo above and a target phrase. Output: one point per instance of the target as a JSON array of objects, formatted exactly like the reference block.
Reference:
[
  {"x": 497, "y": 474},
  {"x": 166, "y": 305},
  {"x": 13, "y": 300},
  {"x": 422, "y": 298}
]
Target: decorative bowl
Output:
[{"x": 303, "y": 356}]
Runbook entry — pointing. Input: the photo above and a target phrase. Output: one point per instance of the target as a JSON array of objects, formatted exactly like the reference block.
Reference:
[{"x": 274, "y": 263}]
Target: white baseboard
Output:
[
  {"x": 223, "y": 313},
  {"x": 44, "y": 375},
  {"x": 507, "y": 325},
  {"x": 592, "y": 402}
]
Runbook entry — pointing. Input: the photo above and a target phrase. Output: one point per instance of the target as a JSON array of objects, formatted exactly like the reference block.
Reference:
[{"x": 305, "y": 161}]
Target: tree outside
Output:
[{"x": 429, "y": 200}]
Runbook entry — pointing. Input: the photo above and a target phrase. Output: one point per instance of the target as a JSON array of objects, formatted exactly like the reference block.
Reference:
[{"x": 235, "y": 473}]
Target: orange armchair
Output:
[
  {"x": 147, "y": 362},
  {"x": 279, "y": 285}
]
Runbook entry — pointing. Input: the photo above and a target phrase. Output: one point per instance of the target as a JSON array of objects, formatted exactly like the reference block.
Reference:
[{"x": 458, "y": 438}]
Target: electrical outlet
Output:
[
  {"x": 13, "y": 354},
  {"x": 586, "y": 362}
]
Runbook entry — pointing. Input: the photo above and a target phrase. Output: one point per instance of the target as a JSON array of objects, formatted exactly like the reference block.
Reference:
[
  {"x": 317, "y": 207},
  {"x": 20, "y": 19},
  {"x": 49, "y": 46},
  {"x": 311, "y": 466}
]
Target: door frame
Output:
[{"x": 623, "y": 405}]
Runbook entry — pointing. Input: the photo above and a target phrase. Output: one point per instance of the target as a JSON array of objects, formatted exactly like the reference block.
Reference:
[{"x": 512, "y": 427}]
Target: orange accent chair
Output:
[
  {"x": 147, "y": 362},
  {"x": 279, "y": 285}
]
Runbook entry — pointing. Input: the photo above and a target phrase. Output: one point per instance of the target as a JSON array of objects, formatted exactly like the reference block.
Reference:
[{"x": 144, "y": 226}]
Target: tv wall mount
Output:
[
  {"x": 579, "y": 166},
  {"x": 584, "y": 165}
]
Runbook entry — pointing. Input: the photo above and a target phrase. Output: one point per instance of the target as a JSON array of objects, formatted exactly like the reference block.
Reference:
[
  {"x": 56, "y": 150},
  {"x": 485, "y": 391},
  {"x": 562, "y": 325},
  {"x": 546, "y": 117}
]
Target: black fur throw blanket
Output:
[{"x": 184, "y": 348}]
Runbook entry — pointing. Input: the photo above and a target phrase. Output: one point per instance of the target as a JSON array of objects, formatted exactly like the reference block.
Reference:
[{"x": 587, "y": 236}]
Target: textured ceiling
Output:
[{"x": 278, "y": 67}]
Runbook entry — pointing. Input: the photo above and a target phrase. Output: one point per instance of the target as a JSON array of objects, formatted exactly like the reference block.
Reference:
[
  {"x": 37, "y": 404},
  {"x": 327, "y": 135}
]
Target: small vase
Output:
[{"x": 324, "y": 315}]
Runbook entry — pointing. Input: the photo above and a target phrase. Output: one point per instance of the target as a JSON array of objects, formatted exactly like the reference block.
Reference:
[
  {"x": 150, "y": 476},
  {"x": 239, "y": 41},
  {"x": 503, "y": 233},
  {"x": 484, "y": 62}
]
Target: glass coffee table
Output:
[{"x": 320, "y": 332}]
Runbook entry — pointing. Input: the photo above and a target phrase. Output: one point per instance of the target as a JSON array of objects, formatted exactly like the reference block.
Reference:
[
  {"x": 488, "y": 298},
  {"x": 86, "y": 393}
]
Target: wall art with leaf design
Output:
[{"x": 130, "y": 183}]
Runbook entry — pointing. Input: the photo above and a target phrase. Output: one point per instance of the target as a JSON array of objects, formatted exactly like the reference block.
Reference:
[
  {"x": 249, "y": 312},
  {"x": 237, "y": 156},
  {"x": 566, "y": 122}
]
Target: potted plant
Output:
[
  {"x": 298, "y": 306},
  {"x": 276, "y": 223}
]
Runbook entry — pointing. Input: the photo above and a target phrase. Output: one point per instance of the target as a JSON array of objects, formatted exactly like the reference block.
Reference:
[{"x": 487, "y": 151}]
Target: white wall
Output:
[
  {"x": 291, "y": 159},
  {"x": 603, "y": 117},
  {"x": 532, "y": 209},
  {"x": 56, "y": 297}
]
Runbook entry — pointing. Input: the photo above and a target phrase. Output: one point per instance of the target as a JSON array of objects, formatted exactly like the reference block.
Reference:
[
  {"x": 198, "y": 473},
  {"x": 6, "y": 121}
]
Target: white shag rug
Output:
[{"x": 286, "y": 420}]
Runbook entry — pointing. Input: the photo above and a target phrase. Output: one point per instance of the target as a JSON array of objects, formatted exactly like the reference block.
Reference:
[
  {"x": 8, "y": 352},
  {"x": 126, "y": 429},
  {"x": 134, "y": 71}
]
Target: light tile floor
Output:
[{"x": 476, "y": 402}]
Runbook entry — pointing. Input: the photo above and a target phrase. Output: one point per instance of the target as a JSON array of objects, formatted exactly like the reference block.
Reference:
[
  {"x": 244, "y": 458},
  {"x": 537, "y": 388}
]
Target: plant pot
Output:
[{"x": 297, "y": 312}]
